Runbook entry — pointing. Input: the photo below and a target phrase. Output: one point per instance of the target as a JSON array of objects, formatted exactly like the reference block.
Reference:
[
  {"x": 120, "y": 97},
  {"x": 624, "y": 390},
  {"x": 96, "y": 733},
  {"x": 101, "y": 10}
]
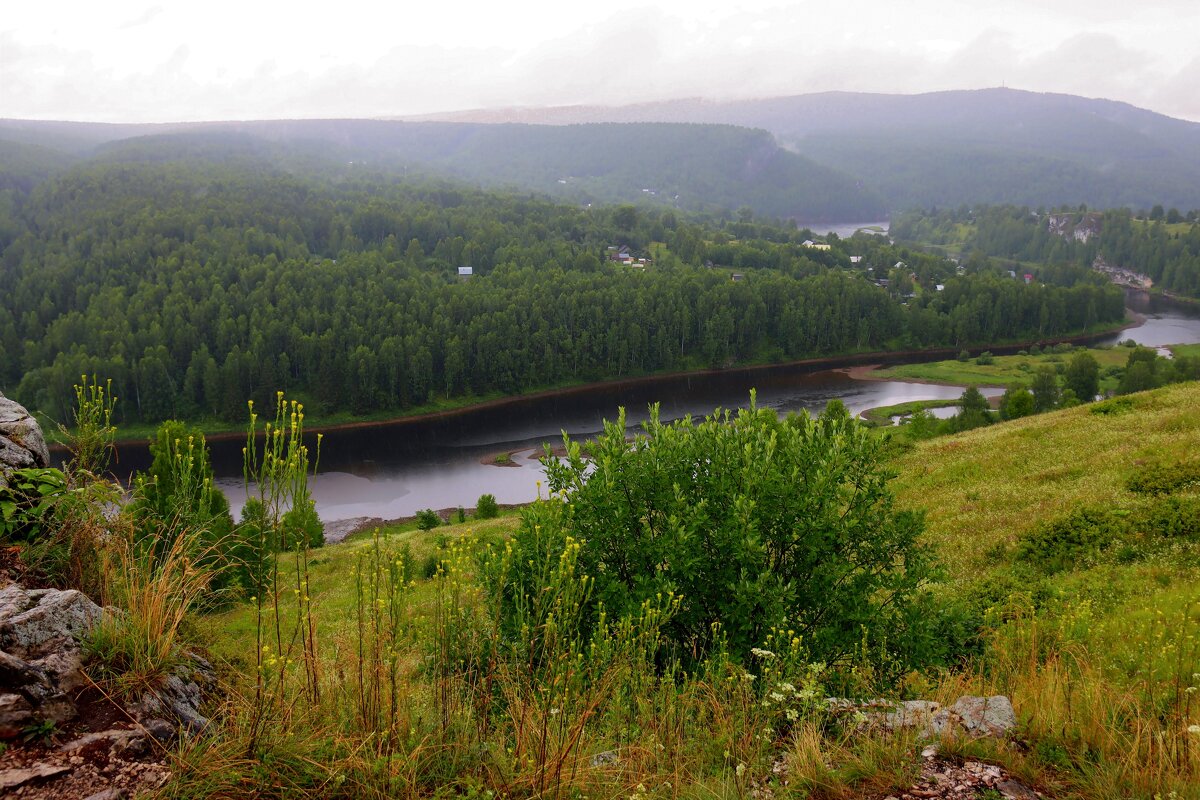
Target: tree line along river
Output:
[{"x": 393, "y": 470}]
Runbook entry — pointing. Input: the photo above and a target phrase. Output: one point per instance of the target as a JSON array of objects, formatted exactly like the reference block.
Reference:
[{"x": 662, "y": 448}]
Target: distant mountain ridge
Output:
[
  {"x": 695, "y": 167},
  {"x": 947, "y": 148},
  {"x": 833, "y": 156}
]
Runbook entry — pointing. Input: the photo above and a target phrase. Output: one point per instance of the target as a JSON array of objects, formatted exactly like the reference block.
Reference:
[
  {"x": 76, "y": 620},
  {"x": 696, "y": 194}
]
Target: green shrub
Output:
[
  {"x": 177, "y": 496},
  {"x": 1172, "y": 518},
  {"x": 59, "y": 527},
  {"x": 301, "y": 525},
  {"x": 1017, "y": 402},
  {"x": 1163, "y": 479},
  {"x": 428, "y": 519},
  {"x": 985, "y": 359},
  {"x": 1071, "y": 540},
  {"x": 751, "y": 521},
  {"x": 964, "y": 356},
  {"x": 1114, "y": 406},
  {"x": 486, "y": 507},
  {"x": 27, "y": 503}
]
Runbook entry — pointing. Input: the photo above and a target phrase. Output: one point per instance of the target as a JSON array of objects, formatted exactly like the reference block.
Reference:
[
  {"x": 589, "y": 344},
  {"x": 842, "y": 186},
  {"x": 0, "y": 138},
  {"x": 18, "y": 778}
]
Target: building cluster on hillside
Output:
[{"x": 620, "y": 254}]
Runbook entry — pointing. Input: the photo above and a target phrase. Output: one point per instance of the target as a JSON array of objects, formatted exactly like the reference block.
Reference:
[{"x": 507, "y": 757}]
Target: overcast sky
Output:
[{"x": 123, "y": 60}]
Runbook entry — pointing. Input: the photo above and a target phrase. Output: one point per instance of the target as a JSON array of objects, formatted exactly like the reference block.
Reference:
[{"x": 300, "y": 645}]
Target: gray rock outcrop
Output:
[
  {"x": 41, "y": 667},
  {"x": 41, "y": 660},
  {"x": 177, "y": 701},
  {"x": 21, "y": 442},
  {"x": 970, "y": 716}
]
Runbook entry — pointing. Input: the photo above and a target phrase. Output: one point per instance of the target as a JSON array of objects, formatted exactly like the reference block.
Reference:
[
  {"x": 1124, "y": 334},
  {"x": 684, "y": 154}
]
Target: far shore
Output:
[
  {"x": 337, "y": 530},
  {"x": 865, "y": 361}
]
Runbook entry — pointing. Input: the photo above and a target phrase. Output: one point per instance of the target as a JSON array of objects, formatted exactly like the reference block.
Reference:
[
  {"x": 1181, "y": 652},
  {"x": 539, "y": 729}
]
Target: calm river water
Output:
[{"x": 395, "y": 470}]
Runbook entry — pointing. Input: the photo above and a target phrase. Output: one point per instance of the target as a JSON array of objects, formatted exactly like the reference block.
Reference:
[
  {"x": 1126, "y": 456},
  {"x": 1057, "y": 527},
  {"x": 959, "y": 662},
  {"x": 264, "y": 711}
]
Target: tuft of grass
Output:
[{"x": 137, "y": 646}]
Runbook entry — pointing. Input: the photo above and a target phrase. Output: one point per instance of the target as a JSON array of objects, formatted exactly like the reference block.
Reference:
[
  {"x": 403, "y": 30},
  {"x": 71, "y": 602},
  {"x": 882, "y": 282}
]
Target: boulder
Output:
[
  {"x": 977, "y": 717},
  {"x": 21, "y": 442},
  {"x": 16, "y": 713},
  {"x": 36, "y": 623},
  {"x": 41, "y": 660},
  {"x": 41, "y": 664}
]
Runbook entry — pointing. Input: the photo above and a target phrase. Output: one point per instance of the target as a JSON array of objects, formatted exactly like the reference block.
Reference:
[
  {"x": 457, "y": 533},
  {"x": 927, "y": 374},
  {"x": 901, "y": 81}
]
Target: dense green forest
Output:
[
  {"x": 1167, "y": 251},
  {"x": 195, "y": 285}
]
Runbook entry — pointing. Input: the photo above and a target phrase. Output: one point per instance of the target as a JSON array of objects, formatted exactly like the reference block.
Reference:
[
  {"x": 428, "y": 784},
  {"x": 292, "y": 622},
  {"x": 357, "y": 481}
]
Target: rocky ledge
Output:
[
  {"x": 969, "y": 716},
  {"x": 69, "y": 739},
  {"x": 21, "y": 442}
]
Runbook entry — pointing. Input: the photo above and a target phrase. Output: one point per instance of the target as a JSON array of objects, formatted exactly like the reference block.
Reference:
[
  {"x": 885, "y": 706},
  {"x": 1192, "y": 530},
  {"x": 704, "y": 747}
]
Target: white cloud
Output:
[{"x": 232, "y": 59}]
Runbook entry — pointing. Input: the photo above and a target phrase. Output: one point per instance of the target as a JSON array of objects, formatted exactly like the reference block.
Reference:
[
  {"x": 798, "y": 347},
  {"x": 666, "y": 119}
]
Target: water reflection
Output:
[
  {"x": 397, "y": 470},
  {"x": 1166, "y": 322}
]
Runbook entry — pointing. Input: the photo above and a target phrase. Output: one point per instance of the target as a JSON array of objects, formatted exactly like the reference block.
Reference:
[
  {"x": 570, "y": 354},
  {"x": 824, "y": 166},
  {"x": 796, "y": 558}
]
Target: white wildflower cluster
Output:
[{"x": 787, "y": 699}]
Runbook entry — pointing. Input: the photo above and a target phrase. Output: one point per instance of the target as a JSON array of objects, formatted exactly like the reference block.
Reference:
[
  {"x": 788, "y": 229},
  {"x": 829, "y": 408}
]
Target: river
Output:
[
  {"x": 845, "y": 230},
  {"x": 397, "y": 469}
]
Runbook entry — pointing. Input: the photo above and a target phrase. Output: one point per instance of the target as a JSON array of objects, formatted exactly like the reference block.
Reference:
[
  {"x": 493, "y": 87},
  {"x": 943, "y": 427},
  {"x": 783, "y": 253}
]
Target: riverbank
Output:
[
  {"x": 1000, "y": 371},
  {"x": 217, "y": 431},
  {"x": 885, "y": 416},
  {"x": 340, "y": 530},
  {"x": 876, "y": 372}
]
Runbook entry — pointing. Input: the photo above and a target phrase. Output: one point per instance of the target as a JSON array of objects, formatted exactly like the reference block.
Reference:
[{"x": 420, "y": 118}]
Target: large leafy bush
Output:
[{"x": 752, "y": 521}]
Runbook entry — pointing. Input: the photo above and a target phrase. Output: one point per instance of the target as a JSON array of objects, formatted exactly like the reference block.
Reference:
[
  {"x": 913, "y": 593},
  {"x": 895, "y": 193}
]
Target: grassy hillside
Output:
[
  {"x": 985, "y": 488},
  {"x": 1098, "y": 651},
  {"x": 469, "y": 660}
]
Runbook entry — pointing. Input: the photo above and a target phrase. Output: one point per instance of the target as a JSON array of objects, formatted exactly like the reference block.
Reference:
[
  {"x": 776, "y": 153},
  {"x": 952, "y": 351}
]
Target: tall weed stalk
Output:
[
  {"x": 277, "y": 476},
  {"x": 92, "y": 441}
]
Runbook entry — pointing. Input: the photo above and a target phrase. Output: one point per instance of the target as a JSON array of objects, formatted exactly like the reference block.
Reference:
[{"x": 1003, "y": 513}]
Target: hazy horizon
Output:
[{"x": 131, "y": 61}]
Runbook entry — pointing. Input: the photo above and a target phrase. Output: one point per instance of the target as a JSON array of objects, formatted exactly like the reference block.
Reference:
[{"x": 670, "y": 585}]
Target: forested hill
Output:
[
  {"x": 1164, "y": 246},
  {"x": 713, "y": 168},
  {"x": 947, "y": 148},
  {"x": 195, "y": 286}
]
